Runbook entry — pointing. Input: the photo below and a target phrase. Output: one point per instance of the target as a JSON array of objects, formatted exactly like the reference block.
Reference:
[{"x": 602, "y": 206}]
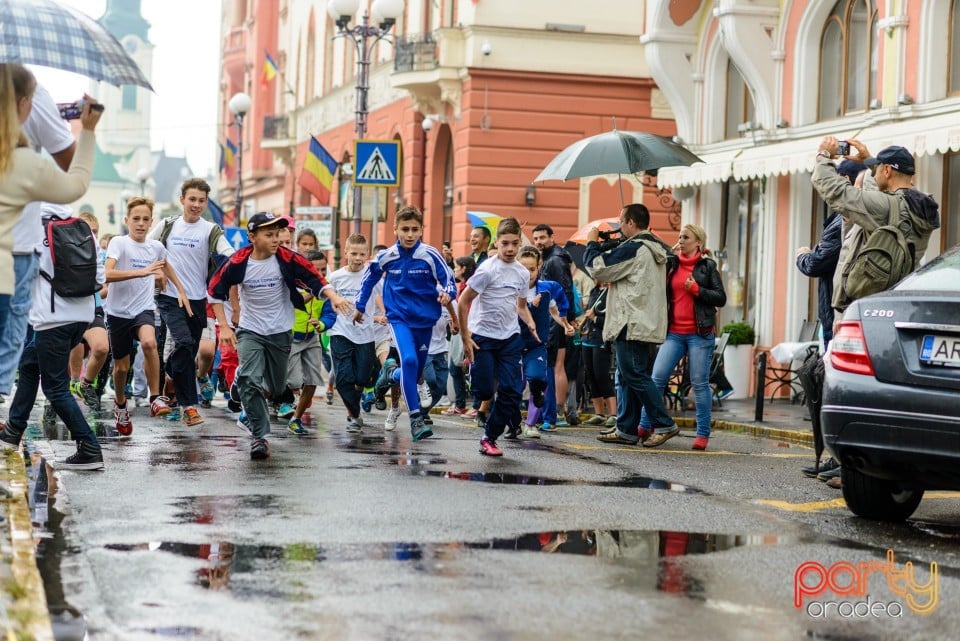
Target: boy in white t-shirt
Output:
[
  {"x": 133, "y": 263},
  {"x": 269, "y": 279},
  {"x": 352, "y": 345},
  {"x": 491, "y": 304}
]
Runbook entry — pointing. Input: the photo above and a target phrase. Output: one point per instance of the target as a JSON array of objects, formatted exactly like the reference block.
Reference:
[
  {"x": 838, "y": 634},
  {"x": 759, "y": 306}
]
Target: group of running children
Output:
[{"x": 272, "y": 302}]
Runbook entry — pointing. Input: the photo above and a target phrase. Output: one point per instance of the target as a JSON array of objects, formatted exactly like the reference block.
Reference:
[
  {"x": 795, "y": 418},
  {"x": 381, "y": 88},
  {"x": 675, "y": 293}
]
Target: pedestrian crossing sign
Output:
[{"x": 377, "y": 163}]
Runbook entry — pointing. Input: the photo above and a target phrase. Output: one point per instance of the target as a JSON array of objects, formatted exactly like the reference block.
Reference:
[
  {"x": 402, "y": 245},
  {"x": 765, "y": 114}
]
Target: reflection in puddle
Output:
[
  {"x": 67, "y": 621},
  {"x": 658, "y": 551},
  {"x": 212, "y": 509},
  {"x": 501, "y": 478}
]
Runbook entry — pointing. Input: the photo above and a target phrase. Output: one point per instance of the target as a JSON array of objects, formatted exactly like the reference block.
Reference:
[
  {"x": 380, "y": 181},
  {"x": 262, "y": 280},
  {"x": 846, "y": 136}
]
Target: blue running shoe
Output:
[
  {"x": 547, "y": 427},
  {"x": 296, "y": 426},
  {"x": 174, "y": 414},
  {"x": 286, "y": 410},
  {"x": 242, "y": 422},
  {"x": 384, "y": 382},
  {"x": 367, "y": 400},
  {"x": 418, "y": 429},
  {"x": 207, "y": 390}
]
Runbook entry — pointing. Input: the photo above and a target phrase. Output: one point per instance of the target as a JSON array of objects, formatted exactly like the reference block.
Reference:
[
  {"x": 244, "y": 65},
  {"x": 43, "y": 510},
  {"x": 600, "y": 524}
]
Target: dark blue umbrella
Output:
[{"x": 46, "y": 33}]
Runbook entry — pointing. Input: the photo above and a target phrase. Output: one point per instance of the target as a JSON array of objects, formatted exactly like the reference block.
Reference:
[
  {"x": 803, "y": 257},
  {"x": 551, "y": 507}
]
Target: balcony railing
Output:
[
  {"x": 276, "y": 127},
  {"x": 415, "y": 53}
]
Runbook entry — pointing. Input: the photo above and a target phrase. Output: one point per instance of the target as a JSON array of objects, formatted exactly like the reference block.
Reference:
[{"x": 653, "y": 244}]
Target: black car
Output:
[{"x": 891, "y": 396}]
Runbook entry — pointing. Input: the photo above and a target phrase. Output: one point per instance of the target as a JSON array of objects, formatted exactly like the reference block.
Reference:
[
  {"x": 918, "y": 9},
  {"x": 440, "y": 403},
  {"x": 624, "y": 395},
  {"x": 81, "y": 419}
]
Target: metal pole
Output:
[
  {"x": 374, "y": 226},
  {"x": 238, "y": 199},
  {"x": 363, "y": 86}
]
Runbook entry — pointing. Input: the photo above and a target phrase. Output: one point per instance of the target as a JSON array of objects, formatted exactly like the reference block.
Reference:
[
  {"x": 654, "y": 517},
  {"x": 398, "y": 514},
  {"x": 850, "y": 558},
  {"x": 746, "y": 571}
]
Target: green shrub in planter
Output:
[{"x": 740, "y": 333}]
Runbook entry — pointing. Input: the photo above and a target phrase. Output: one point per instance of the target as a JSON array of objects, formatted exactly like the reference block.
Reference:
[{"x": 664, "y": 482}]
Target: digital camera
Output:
[
  {"x": 843, "y": 148},
  {"x": 609, "y": 238}
]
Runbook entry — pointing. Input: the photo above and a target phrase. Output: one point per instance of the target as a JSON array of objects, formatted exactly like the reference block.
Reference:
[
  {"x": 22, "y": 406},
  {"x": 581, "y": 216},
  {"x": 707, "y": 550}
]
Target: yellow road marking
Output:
[{"x": 816, "y": 506}]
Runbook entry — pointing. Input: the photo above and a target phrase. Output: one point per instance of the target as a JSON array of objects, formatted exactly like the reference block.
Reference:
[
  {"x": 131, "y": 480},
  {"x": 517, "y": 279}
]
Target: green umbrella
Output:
[{"x": 617, "y": 152}]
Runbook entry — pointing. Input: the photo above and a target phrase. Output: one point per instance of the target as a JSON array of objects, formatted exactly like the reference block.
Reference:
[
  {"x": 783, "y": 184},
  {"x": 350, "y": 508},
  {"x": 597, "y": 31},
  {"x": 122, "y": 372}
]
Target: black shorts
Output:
[
  {"x": 123, "y": 331},
  {"x": 98, "y": 315}
]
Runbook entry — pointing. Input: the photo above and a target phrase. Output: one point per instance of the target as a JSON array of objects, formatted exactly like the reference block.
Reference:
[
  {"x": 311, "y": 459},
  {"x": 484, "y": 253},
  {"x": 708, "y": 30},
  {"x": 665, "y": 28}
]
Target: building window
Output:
[
  {"x": 953, "y": 85},
  {"x": 739, "y": 106},
  {"x": 129, "y": 98},
  {"x": 849, "y": 55},
  {"x": 739, "y": 249},
  {"x": 950, "y": 213}
]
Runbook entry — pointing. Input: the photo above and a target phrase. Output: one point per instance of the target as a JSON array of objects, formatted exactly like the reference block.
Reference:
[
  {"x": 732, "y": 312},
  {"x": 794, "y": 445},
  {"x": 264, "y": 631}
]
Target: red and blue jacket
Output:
[{"x": 298, "y": 273}]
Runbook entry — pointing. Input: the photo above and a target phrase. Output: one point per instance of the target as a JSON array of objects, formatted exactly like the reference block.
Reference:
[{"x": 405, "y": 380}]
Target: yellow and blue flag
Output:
[{"x": 319, "y": 168}]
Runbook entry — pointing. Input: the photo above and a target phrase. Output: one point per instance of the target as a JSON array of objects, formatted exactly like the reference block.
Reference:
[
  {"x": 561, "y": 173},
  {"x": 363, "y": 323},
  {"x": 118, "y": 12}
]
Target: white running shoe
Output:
[
  {"x": 392, "y": 416},
  {"x": 426, "y": 398}
]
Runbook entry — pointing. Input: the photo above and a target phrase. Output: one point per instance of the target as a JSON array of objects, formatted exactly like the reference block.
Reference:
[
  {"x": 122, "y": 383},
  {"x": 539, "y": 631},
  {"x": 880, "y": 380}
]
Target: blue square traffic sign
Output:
[
  {"x": 236, "y": 236},
  {"x": 377, "y": 163}
]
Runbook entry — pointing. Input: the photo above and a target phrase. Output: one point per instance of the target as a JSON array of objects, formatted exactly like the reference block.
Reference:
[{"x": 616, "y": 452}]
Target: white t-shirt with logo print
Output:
[
  {"x": 127, "y": 298},
  {"x": 265, "y": 305},
  {"x": 347, "y": 284},
  {"x": 188, "y": 251},
  {"x": 493, "y": 313}
]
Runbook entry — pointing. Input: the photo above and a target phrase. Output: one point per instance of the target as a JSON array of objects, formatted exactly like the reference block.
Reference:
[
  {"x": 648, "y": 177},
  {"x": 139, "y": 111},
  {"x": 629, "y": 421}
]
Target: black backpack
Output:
[{"x": 75, "y": 256}]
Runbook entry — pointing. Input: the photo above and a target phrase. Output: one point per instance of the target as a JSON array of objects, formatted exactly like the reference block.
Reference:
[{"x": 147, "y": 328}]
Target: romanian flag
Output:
[
  {"x": 269, "y": 68},
  {"x": 319, "y": 168},
  {"x": 228, "y": 158}
]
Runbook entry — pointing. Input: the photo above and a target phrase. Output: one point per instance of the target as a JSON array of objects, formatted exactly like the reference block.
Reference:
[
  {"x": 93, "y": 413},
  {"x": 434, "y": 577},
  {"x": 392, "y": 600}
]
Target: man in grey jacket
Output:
[
  {"x": 866, "y": 210},
  {"x": 636, "y": 321}
]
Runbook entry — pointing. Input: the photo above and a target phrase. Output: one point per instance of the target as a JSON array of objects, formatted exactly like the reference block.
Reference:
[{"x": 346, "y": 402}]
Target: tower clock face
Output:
[{"x": 130, "y": 44}]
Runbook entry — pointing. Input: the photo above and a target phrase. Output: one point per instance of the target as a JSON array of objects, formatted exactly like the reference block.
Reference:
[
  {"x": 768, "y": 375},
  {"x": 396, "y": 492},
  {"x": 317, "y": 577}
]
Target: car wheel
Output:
[{"x": 878, "y": 499}]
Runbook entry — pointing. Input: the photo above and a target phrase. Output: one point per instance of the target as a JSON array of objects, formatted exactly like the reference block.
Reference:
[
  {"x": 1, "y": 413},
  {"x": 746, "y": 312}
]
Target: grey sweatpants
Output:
[{"x": 263, "y": 369}]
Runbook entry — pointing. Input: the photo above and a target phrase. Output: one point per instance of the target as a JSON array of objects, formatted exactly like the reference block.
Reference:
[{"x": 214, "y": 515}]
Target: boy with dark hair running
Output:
[
  {"x": 413, "y": 275},
  {"x": 269, "y": 279},
  {"x": 491, "y": 306}
]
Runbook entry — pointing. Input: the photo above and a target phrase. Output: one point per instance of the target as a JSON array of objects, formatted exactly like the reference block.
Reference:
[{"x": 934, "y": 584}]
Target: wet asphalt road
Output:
[{"x": 374, "y": 537}]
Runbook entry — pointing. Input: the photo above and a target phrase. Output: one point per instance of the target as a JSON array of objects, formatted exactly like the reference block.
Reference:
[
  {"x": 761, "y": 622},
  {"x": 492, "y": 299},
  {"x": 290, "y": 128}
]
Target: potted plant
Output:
[{"x": 738, "y": 357}]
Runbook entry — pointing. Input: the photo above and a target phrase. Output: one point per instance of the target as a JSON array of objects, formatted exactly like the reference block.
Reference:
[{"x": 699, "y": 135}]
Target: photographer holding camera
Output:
[
  {"x": 636, "y": 321},
  {"x": 864, "y": 211}
]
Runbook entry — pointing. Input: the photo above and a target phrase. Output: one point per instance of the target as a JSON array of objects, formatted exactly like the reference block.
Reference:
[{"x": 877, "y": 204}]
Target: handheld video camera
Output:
[
  {"x": 609, "y": 238},
  {"x": 73, "y": 110}
]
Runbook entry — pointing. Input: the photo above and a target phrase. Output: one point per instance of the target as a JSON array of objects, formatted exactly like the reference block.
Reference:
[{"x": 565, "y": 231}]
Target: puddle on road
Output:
[
  {"x": 503, "y": 478},
  {"x": 657, "y": 549},
  {"x": 212, "y": 509}
]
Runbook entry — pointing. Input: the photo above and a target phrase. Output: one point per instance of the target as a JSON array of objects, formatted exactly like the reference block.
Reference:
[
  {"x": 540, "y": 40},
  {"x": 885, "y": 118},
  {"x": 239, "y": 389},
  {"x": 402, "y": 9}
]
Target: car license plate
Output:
[{"x": 940, "y": 350}]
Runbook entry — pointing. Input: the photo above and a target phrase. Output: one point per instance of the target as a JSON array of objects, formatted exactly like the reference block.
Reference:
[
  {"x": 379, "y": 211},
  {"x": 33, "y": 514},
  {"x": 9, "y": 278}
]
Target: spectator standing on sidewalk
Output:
[
  {"x": 636, "y": 320},
  {"x": 694, "y": 292}
]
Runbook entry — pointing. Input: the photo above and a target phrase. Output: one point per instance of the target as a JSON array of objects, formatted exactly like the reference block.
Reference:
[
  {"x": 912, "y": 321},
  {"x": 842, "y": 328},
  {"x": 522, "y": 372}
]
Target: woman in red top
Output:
[{"x": 694, "y": 291}]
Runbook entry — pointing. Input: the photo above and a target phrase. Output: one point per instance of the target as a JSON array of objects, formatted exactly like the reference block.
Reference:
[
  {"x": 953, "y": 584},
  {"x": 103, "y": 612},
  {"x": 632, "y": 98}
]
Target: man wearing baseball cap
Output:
[
  {"x": 269, "y": 278},
  {"x": 865, "y": 210}
]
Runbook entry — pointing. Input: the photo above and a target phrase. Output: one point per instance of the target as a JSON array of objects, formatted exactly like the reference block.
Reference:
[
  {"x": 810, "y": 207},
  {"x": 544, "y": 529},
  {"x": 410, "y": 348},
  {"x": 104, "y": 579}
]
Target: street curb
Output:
[
  {"x": 28, "y": 613},
  {"x": 753, "y": 429},
  {"x": 762, "y": 431}
]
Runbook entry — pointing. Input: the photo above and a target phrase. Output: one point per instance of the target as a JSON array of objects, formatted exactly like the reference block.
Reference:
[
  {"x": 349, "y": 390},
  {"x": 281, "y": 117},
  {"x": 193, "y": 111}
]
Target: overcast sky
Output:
[{"x": 186, "y": 55}]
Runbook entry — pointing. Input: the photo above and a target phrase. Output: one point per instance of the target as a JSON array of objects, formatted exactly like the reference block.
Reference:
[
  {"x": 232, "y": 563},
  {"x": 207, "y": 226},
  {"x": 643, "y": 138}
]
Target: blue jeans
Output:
[
  {"x": 44, "y": 364},
  {"x": 499, "y": 360},
  {"x": 25, "y": 270},
  {"x": 435, "y": 375},
  {"x": 699, "y": 350},
  {"x": 186, "y": 332},
  {"x": 634, "y": 362}
]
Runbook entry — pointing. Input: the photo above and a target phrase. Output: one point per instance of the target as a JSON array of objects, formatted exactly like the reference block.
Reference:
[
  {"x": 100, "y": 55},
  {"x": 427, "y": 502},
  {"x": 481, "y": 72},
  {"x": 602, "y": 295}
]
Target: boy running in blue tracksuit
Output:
[
  {"x": 546, "y": 300},
  {"x": 417, "y": 282}
]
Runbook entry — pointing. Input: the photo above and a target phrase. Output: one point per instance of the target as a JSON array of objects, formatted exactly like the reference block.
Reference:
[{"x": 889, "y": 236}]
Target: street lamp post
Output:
[
  {"x": 364, "y": 36},
  {"x": 239, "y": 105},
  {"x": 143, "y": 175}
]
